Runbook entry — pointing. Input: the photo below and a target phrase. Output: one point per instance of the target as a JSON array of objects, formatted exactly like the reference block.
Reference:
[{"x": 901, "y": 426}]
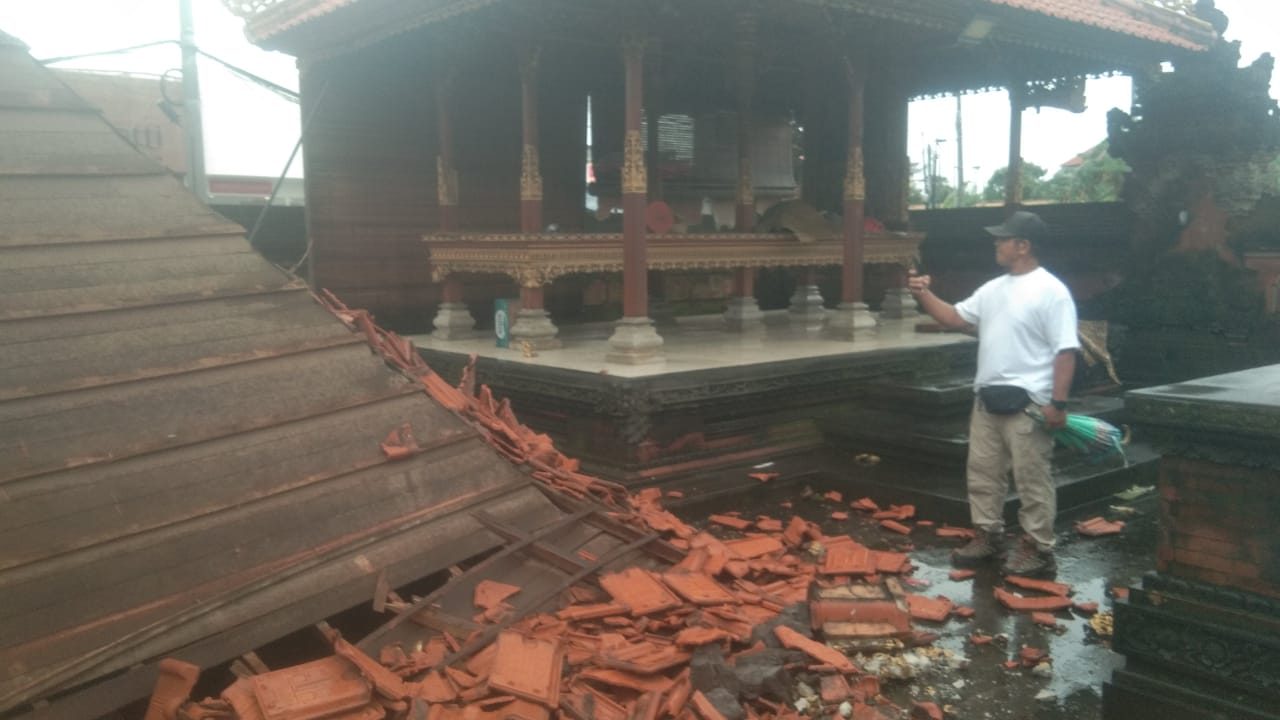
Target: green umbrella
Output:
[{"x": 1087, "y": 435}]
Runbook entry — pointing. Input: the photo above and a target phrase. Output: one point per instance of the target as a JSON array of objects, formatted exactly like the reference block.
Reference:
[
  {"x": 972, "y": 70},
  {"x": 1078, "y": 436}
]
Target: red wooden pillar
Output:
[
  {"x": 855, "y": 195},
  {"x": 743, "y": 313},
  {"x": 634, "y": 340},
  {"x": 635, "y": 188},
  {"x": 1013, "y": 181},
  {"x": 452, "y": 321},
  {"x": 446, "y": 171},
  {"x": 530, "y": 175},
  {"x": 852, "y": 317},
  {"x": 745, "y": 206}
]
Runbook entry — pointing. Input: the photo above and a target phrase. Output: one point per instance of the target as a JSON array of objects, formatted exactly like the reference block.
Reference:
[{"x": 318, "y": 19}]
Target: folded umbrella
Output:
[{"x": 1087, "y": 435}]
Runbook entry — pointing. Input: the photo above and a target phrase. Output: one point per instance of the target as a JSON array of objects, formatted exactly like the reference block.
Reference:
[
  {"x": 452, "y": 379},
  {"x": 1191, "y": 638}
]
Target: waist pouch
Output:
[{"x": 1003, "y": 399}]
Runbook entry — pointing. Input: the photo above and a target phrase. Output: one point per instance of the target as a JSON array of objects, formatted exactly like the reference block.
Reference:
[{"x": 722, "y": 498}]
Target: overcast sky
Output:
[{"x": 251, "y": 131}]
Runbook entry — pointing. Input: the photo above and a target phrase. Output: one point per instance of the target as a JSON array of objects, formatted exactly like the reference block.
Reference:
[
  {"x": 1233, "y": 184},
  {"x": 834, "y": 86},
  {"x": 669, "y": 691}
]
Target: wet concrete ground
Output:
[{"x": 986, "y": 690}]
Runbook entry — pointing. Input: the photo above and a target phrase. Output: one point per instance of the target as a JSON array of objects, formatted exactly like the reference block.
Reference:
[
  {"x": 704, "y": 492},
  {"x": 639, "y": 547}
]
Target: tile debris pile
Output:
[{"x": 776, "y": 622}]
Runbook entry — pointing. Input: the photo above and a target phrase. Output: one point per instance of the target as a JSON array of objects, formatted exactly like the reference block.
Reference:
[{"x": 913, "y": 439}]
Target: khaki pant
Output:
[{"x": 998, "y": 444}]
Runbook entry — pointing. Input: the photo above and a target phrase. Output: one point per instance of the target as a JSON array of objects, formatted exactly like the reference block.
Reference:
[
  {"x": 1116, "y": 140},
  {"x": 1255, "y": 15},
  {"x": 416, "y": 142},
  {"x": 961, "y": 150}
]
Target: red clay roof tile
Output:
[{"x": 528, "y": 668}]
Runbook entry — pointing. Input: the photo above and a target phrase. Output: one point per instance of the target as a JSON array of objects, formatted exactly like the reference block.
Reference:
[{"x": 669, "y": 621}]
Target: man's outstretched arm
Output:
[{"x": 940, "y": 310}]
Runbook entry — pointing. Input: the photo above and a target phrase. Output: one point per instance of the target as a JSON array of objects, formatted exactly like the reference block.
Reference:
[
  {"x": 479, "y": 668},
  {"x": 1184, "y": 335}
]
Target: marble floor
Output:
[{"x": 699, "y": 343}]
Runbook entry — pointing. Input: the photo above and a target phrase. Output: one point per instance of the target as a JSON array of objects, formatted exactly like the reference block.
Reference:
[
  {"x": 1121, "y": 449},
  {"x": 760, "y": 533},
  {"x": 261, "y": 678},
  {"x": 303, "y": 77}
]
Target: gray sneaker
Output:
[
  {"x": 1029, "y": 561},
  {"x": 984, "y": 546}
]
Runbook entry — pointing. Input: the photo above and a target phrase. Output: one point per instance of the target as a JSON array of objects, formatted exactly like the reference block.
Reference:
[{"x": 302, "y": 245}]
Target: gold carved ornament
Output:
[
  {"x": 746, "y": 192},
  {"x": 446, "y": 184},
  {"x": 855, "y": 181},
  {"x": 635, "y": 179},
  {"x": 530, "y": 175}
]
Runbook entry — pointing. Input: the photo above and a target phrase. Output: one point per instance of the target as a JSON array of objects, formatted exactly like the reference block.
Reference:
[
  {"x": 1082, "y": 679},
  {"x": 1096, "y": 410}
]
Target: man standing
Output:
[{"x": 1026, "y": 322}]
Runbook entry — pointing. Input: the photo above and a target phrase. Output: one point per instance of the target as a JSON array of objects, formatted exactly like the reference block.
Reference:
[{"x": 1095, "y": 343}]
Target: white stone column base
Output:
[
  {"x": 535, "y": 328},
  {"x": 453, "y": 321},
  {"x": 743, "y": 315},
  {"x": 898, "y": 305},
  {"x": 635, "y": 342},
  {"x": 849, "y": 322},
  {"x": 806, "y": 311}
]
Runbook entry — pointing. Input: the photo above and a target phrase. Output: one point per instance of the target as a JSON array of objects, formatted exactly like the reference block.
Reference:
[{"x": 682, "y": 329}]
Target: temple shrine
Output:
[{"x": 447, "y": 147}]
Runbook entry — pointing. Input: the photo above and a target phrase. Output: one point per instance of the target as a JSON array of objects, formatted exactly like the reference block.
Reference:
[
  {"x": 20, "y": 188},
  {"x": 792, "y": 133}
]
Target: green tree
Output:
[
  {"x": 1097, "y": 178},
  {"x": 1032, "y": 179}
]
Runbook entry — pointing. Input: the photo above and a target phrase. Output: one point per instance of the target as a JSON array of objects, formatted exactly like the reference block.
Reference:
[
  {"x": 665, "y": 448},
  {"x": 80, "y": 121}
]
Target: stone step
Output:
[{"x": 940, "y": 492}]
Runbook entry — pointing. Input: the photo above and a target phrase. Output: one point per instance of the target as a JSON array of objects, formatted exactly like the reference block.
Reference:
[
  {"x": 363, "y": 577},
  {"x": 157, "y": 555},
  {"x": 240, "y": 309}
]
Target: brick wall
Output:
[{"x": 1219, "y": 524}]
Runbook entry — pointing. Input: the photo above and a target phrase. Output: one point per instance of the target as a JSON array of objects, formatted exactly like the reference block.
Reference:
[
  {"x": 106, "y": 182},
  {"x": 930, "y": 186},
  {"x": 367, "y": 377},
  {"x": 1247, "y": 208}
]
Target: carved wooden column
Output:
[
  {"x": 851, "y": 318},
  {"x": 453, "y": 321},
  {"x": 446, "y": 170},
  {"x": 634, "y": 340},
  {"x": 530, "y": 174},
  {"x": 660, "y": 311},
  {"x": 743, "y": 313},
  {"x": 1013, "y": 181}
]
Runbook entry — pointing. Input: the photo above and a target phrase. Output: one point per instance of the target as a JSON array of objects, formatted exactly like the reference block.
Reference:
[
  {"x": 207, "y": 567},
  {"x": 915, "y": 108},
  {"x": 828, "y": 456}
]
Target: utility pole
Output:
[
  {"x": 959, "y": 154},
  {"x": 192, "y": 122}
]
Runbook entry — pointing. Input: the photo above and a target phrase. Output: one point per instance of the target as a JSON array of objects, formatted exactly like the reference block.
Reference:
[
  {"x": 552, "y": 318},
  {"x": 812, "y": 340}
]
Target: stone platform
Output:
[
  {"x": 717, "y": 398},
  {"x": 1201, "y": 635},
  {"x": 919, "y": 430}
]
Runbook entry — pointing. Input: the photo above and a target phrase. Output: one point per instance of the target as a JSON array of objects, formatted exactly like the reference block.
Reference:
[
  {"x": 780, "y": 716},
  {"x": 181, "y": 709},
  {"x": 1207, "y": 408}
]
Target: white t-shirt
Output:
[{"x": 1023, "y": 322}]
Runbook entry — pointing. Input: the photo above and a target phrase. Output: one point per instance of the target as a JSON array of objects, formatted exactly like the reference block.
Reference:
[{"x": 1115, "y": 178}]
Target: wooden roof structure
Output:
[
  {"x": 1097, "y": 35},
  {"x": 190, "y": 458}
]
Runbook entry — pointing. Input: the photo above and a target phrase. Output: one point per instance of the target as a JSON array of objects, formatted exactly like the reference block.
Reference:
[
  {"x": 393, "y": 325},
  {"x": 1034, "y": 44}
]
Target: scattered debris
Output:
[
  {"x": 1032, "y": 604},
  {"x": 763, "y": 477},
  {"x": 894, "y": 526},
  {"x": 1045, "y": 586},
  {"x": 961, "y": 574},
  {"x": 1134, "y": 492},
  {"x": 1102, "y": 624},
  {"x": 1099, "y": 526}
]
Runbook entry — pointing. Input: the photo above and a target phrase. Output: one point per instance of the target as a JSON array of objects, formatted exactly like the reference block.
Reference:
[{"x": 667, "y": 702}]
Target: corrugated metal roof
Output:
[{"x": 190, "y": 460}]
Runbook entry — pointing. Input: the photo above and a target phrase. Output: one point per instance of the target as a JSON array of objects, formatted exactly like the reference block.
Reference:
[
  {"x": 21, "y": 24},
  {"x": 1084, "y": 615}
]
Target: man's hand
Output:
[
  {"x": 918, "y": 284},
  {"x": 1054, "y": 419}
]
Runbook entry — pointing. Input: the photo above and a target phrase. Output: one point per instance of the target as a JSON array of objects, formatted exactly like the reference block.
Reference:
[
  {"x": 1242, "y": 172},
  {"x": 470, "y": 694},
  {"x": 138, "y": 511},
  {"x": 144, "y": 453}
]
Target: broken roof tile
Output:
[
  {"x": 896, "y": 512},
  {"x": 816, "y": 650},
  {"x": 895, "y": 526},
  {"x": 1099, "y": 526},
  {"x": 527, "y": 667},
  {"x": 638, "y": 588},
  {"x": 1044, "y": 618},
  {"x": 1031, "y": 604},
  {"x": 1045, "y": 586},
  {"x": 930, "y": 609},
  {"x": 698, "y": 588},
  {"x": 961, "y": 574},
  {"x": 730, "y": 521},
  {"x": 847, "y": 559},
  {"x": 865, "y": 504}
]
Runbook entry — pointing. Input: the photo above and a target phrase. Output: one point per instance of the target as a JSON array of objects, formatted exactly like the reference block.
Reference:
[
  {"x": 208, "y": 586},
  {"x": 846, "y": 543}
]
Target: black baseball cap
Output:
[{"x": 1022, "y": 224}]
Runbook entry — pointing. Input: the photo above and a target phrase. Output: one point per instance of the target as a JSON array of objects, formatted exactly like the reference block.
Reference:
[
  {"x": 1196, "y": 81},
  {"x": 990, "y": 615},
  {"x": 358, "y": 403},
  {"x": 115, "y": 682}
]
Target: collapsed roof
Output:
[{"x": 191, "y": 459}]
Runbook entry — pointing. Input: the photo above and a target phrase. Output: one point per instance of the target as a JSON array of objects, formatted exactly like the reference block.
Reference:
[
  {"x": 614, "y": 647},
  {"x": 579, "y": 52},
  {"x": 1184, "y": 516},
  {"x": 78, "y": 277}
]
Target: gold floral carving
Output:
[
  {"x": 530, "y": 175},
  {"x": 635, "y": 179},
  {"x": 855, "y": 181},
  {"x": 446, "y": 184},
  {"x": 746, "y": 191},
  {"x": 535, "y": 259}
]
